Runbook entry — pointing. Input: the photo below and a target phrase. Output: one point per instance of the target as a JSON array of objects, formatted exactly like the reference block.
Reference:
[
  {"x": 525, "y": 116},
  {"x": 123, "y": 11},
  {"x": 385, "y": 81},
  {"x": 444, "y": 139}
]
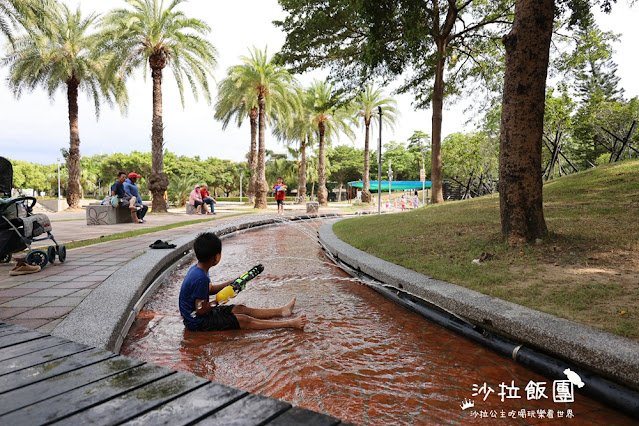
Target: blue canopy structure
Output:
[{"x": 395, "y": 185}]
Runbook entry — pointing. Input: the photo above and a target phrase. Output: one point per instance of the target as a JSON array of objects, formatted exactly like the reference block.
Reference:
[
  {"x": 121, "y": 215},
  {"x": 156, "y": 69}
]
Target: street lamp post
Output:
[
  {"x": 379, "y": 164},
  {"x": 59, "y": 195},
  {"x": 390, "y": 178},
  {"x": 423, "y": 177},
  {"x": 240, "y": 187}
]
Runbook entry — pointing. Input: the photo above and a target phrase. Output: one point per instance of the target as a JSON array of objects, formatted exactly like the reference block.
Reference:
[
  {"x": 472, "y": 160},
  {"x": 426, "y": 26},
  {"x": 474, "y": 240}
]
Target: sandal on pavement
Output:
[{"x": 159, "y": 244}]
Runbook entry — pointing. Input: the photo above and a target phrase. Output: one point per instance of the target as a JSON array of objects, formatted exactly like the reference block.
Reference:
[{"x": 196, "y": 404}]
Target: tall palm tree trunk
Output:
[
  {"x": 73, "y": 159},
  {"x": 438, "y": 105},
  {"x": 322, "y": 192},
  {"x": 253, "y": 155},
  {"x": 301, "y": 174},
  {"x": 260, "y": 184},
  {"x": 158, "y": 182},
  {"x": 366, "y": 184}
]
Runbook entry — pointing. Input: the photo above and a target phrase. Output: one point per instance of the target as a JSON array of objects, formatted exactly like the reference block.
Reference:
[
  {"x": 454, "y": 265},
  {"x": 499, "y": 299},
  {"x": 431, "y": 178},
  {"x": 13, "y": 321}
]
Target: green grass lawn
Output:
[{"x": 585, "y": 270}]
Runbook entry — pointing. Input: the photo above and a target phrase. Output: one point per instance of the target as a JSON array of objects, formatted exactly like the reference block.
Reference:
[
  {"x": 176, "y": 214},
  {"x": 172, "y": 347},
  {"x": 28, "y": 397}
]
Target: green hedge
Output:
[{"x": 245, "y": 199}]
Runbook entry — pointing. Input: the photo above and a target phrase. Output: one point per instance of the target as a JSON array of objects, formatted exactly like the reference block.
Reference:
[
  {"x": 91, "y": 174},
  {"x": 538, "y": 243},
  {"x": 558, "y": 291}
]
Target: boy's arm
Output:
[
  {"x": 214, "y": 288},
  {"x": 202, "y": 307}
]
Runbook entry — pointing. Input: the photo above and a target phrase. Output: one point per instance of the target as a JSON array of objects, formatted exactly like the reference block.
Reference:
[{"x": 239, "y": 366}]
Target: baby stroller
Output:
[{"x": 19, "y": 226}]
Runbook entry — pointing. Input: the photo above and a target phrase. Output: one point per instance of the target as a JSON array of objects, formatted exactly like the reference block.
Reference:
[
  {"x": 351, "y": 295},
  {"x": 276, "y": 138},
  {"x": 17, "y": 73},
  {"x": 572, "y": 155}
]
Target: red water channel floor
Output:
[{"x": 361, "y": 358}]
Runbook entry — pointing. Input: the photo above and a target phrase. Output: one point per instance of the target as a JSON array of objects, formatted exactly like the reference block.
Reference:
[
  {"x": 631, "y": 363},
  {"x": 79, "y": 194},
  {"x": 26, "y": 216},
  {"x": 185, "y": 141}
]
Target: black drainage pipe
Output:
[{"x": 610, "y": 393}]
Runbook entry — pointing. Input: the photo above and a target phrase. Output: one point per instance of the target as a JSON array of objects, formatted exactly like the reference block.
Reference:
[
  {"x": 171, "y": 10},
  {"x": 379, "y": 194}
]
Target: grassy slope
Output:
[{"x": 586, "y": 270}]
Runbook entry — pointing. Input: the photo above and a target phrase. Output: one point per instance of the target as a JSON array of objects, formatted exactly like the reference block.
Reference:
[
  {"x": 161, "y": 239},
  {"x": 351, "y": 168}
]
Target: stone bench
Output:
[
  {"x": 107, "y": 215},
  {"x": 190, "y": 209},
  {"x": 312, "y": 207}
]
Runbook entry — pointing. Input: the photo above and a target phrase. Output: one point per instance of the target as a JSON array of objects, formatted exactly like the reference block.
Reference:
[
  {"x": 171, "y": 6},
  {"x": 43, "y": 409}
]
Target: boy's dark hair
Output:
[
  {"x": 121, "y": 173},
  {"x": 206, "y": 246},
  {"x": 279, "y": 177}
]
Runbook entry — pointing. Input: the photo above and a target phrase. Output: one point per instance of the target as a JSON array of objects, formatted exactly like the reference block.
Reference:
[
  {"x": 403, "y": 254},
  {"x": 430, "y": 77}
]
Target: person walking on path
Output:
[
  {"x": 280, "y": 195},
  {"x": 131, "y": 187},
  {"x": 200, "y": 314}
]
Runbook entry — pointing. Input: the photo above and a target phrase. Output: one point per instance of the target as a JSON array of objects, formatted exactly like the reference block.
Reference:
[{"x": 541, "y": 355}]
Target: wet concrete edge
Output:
[
  {"x": 103, "y": 318},
  {"x": 610, "y": 355}
]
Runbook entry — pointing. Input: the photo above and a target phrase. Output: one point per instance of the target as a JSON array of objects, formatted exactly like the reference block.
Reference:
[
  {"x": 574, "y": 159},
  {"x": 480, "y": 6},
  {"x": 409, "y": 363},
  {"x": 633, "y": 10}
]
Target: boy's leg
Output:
[
  {"x": 284, "y": 311},
  {"x": 247, "y": 322}
]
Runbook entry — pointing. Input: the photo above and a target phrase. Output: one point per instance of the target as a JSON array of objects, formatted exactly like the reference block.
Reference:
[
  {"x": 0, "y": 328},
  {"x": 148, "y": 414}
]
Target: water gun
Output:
[{"x": 230, "y": 291}]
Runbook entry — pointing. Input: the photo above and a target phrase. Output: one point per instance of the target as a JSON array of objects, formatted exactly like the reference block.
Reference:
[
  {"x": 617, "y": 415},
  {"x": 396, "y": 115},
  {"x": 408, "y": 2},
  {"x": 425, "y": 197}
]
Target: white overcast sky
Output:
[{"x": 34, "y": 128}]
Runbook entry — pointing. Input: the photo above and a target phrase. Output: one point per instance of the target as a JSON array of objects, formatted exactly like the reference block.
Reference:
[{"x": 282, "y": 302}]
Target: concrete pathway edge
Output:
[
  {"x": 610, "y": 355},
  {"x": 104, "y": 317}
]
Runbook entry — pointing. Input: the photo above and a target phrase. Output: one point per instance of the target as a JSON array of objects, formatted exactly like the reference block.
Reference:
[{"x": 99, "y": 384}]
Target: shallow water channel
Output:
[{"x": 361, "y": 358}]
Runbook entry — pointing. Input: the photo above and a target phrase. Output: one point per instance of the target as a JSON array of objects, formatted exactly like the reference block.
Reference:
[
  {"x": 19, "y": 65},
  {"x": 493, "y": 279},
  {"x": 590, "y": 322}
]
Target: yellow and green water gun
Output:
[{"x": 239, "y": 284}]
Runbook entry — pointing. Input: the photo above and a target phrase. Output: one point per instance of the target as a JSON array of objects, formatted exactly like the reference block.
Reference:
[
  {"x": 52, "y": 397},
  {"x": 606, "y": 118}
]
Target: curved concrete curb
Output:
[
  {"x": 103, "y": 318},
  {"x": 605, "y": 353}
]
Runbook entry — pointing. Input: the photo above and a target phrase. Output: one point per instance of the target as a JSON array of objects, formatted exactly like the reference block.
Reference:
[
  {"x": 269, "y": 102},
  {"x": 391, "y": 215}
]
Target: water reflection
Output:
[{"x": 361, "y": 358}]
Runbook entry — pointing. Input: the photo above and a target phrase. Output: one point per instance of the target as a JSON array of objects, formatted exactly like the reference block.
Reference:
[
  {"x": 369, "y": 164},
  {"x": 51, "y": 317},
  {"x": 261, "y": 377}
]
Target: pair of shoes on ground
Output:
[
  {"x": 159, "y": 244},
  {"x": 23, "y": 268},
  {"x": 210, "y": 212},
  {"x": 140, "y": 221}
]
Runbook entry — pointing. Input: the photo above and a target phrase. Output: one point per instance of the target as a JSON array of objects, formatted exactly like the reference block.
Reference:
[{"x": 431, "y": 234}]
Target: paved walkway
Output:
[{"x": 42, "y": 300}]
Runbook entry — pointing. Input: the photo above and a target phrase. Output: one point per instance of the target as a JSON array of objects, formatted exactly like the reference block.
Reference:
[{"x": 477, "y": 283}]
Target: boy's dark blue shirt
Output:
[{"x": 194, "y": 286}]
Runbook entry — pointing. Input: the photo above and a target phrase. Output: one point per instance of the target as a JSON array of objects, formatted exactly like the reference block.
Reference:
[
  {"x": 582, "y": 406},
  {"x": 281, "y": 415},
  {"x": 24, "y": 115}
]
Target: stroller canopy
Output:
[{"x": 6, "y": 177}]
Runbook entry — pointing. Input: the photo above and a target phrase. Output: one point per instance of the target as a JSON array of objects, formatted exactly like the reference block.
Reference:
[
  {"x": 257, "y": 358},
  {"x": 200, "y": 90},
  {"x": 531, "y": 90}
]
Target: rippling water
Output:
[{"x": 360, "y": 358}]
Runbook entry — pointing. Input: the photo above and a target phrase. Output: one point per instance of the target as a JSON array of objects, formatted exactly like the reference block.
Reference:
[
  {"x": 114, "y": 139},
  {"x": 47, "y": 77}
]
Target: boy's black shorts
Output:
[
  {"x": 280, "y": 202},
  {"x": 220, "y": 318}
]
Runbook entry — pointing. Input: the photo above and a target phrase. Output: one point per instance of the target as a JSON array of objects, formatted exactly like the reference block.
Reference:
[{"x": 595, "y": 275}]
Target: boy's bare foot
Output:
[
  {"x": 287, "y": 310},
  {"x": 299, "y": 322}
]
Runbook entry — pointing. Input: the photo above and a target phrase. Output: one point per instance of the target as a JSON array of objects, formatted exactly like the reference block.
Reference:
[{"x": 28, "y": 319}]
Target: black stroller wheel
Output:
[
  {"x": 37, "y": 257},
  {"x": 51, "y": 253},
  {"x": 62, "y": 253},
  {"x": 5, "y": 258}
]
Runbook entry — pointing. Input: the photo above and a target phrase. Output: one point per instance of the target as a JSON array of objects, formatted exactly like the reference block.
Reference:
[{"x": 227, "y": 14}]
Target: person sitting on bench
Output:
[
  {"x": 125, "y": 200},
  {"x": 195, "y": 199},
  {"x": 207, "y": 199},
  {"x": 131, "y": 187}
]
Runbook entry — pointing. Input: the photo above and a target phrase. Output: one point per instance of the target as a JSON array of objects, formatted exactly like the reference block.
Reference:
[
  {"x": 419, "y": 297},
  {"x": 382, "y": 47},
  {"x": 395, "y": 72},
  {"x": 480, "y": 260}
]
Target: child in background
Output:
[
  {"x": 415, "y": 200},
  {"x": 280, "y": 194},
  {"x": 199, "y": 314}
]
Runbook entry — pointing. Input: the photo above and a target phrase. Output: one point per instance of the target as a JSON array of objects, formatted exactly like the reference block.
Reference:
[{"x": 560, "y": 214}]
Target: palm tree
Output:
[
  {"x": 272, "y": 89},
  {"x": 180, "y": 188},
  {"x": 330, "y": 116},
  {"x": 64, "y": 56},
  {"x": 23, "y": 13},
  {"x": 237, "y": 100},
  {"x": 368, "y": 103},
  {"x": 300, "y": 130},
  {"x": 161, "y": 36}
]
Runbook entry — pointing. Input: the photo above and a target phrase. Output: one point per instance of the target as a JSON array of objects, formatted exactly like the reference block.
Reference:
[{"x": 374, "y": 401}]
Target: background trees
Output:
[
  {"x": 367, "y": 104},
  {"x": 149, "y": 34},
  {"x": 331, "y": 117},
  {"x": 363, "y": 40},
  {"x": 260, "y": 81},
  {"x": 63, "y": 55}
]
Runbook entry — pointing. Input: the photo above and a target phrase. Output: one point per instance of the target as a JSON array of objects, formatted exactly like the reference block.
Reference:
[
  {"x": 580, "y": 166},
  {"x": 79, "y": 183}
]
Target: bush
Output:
[
  {"x": 603, "y": 159},
  {"x": 245, "y": 199}
]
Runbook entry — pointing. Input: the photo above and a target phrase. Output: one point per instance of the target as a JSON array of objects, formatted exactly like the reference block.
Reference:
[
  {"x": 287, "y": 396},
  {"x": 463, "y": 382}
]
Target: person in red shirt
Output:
[
  {"x": 207, "y": 199},
  {"x": 280, "y": 194}
]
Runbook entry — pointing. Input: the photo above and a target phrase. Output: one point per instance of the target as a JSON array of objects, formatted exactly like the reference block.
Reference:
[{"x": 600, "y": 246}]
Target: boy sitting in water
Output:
[{"x": 201, "y": 315}]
